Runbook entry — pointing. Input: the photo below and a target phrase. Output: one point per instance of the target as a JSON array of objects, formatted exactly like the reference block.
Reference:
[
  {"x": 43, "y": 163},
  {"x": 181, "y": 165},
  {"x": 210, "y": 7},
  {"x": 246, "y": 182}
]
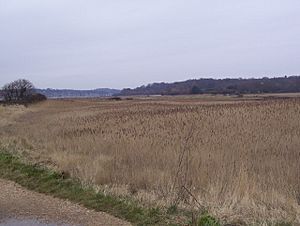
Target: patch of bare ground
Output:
[{"x": 17, "y": 202}]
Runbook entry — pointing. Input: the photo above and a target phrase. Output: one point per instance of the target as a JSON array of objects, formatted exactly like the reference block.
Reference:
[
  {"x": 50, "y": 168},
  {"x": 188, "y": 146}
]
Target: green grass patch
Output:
[
  {"x": 207, "y": 220},
  {"x": 284, "y": 224}
]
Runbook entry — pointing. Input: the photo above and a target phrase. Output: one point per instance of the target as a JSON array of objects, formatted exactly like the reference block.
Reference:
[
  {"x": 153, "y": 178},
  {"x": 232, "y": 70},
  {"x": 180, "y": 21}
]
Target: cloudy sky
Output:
[{"x": 126, "y": 43}]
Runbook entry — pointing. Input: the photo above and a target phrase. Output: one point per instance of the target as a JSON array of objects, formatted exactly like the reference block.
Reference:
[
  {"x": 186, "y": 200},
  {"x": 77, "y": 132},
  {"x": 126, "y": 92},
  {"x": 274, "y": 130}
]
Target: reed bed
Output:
[{"x": 237, "y": 159}]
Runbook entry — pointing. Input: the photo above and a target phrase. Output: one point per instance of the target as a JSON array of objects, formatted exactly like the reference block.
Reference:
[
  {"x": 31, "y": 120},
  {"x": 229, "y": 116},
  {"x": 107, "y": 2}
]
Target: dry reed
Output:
[{"x": 239, "y": 160}]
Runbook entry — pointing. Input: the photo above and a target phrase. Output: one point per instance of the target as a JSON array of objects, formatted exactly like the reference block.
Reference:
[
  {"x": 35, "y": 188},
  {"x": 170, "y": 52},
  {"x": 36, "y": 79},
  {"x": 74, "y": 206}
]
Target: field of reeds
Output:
[{"x": 237, "y": 159}]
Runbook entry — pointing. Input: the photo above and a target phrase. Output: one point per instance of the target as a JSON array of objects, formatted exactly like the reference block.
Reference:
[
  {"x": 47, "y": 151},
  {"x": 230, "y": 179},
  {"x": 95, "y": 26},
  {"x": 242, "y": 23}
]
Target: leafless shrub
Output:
[{"x": 20, "y": 91}]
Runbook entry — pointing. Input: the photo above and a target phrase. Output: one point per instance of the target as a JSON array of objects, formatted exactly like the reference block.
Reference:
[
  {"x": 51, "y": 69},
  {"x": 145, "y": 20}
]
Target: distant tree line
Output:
[
  {"x": 70, "y": 93},
  {"x": 20, "y": 91},
  {"x": 219, "y": 86}
]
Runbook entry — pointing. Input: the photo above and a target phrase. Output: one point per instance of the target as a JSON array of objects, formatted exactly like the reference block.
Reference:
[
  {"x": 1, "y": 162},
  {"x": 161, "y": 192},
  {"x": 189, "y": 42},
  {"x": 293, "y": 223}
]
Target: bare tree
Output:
[{"x": 19, "y": 91}]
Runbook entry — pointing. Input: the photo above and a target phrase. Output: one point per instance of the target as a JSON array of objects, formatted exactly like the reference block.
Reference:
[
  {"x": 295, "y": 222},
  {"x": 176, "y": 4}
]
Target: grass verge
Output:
[{"x": 52, "y": 183}]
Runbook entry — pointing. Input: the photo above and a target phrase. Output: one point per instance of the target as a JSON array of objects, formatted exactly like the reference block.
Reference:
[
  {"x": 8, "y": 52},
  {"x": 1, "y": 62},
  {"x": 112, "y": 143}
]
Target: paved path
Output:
[{"x": 19, "y": 206}]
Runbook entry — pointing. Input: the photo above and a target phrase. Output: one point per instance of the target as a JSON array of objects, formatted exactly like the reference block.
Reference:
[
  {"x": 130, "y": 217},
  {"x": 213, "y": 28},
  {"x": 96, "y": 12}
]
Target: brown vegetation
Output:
[{"x": 238, "y": 159}]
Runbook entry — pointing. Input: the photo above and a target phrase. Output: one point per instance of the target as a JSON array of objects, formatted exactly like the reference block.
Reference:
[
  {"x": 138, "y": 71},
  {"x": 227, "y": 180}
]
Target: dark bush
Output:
[
  {"x": 20, "y": 91},
  {"x": 36, "y": 97}
]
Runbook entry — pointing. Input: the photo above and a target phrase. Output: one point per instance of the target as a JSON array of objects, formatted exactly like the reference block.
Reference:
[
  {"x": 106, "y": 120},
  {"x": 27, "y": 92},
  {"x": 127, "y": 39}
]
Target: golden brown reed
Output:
[{"x": 240, "y": 160}]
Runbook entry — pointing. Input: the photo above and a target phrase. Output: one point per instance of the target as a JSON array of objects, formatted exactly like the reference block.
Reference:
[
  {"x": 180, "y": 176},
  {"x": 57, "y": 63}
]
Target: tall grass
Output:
[{"x": 237, "y": 160}]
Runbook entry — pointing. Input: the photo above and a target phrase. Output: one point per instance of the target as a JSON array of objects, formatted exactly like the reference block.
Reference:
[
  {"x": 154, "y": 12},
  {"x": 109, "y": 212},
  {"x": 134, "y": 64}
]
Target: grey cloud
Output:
[{"x": 125, "y": 43}]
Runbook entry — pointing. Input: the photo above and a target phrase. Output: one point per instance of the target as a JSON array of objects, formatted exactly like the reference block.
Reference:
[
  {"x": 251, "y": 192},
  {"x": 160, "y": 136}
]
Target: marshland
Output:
[{"x": 235, "y": 157}]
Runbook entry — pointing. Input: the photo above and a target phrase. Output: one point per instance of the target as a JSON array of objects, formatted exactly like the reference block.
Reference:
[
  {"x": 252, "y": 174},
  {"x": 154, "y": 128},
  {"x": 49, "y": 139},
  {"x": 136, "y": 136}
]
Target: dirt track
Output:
[{"x": 19, "y": 203}]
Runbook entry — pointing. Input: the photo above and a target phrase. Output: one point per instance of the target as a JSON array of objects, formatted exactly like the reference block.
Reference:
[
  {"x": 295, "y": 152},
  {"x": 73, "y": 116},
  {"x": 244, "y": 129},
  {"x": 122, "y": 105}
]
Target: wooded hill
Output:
[{"x": 219, "y": 86}]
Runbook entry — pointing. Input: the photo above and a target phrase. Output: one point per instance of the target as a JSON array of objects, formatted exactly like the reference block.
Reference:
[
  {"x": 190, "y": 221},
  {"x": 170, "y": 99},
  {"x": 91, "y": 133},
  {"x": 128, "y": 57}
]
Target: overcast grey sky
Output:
[{"x": 126, "y": 43}]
